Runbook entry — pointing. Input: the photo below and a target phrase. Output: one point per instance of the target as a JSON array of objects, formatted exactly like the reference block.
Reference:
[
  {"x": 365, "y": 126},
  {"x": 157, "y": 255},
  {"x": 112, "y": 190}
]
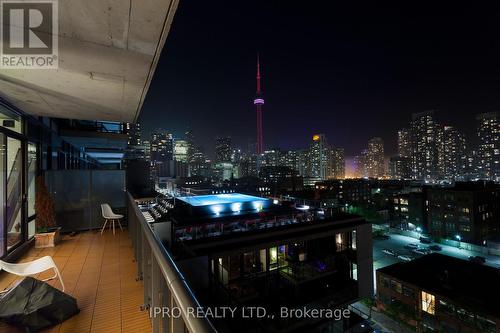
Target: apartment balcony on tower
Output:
[
  {"x": 63, "y": 139},
  {"x": 87, "y": 244}
]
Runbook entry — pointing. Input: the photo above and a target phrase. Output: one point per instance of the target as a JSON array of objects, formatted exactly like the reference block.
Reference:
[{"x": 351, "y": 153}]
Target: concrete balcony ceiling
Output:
[{"x": 108, "y": 52}]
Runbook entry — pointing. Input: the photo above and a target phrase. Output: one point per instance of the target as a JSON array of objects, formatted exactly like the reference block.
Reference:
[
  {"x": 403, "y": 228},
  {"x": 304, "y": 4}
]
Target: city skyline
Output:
[
  {"x": 460, "y": 148},
  {"x": 341, "y": 75}
]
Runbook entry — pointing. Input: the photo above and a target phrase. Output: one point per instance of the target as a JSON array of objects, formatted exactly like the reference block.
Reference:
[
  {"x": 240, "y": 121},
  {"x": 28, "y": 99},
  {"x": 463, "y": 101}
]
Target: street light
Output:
[
  {"x": 458, "y": 239},
  {"x": 419, "y": 230}
]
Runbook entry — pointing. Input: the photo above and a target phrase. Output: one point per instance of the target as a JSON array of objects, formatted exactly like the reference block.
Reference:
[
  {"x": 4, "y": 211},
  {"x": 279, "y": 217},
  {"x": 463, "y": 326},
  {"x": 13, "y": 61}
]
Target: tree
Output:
[{"x": 44, "y": 207}]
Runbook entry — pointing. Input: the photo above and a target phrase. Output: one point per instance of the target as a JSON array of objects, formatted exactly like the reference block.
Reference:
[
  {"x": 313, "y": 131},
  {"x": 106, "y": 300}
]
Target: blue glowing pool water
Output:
[{"x": 218, "y": 199}]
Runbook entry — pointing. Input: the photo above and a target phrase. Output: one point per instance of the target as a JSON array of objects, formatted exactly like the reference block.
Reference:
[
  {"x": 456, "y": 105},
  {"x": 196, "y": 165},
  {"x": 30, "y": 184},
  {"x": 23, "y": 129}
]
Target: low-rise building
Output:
[
  {"x": 468, "y": 211},
  {"x": 438, "y": 293},
  {"x": 350, "y": 191},
  {"x": 246, "y": 250}
]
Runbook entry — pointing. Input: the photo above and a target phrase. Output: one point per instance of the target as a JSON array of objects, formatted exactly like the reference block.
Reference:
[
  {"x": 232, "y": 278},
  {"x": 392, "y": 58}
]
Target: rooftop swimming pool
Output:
[{"x": 220, "y": 199}]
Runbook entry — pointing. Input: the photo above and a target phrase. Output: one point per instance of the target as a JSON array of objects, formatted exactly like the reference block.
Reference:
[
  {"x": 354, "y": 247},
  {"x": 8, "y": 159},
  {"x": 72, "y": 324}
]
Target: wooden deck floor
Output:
[{"x": 99, "y": 272}]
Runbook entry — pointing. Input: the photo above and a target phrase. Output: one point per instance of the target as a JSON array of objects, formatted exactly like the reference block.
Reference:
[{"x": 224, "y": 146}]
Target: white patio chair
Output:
[
  {"x": 33, "y": 267},
  {"x": 108, "y": 215}
]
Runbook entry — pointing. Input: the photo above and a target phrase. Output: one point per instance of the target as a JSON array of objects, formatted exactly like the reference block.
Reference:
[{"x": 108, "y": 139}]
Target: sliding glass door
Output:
[
  {"x": 14, "y": 193},
  {"x": 2, "y": 194},
  {"x": 18, "y": 167},
  {"x": 31, "y": 173}
]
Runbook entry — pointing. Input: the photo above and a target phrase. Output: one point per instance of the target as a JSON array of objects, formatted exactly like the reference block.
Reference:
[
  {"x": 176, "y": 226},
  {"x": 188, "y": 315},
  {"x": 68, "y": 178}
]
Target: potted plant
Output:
[{"x": 47, "y": 233}]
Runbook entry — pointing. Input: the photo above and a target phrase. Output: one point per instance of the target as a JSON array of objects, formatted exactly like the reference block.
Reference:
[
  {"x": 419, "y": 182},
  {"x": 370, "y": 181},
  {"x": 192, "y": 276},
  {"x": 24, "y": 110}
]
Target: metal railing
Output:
[
  {"x": 165, "y": 287},
  {"x": 93, "y": 125}
]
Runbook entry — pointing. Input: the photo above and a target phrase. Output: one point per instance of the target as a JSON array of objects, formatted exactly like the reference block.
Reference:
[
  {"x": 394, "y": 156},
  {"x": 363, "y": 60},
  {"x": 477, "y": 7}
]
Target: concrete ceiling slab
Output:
[{"x": 108, "y": 51}]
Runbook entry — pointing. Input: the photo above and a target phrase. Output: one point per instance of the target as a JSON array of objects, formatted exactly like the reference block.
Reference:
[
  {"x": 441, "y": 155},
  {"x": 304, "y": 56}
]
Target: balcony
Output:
[
  {"x": 100, "y": 273},
  {"x": 102, "y": 75},
  {"x": 113, "y": 276}
]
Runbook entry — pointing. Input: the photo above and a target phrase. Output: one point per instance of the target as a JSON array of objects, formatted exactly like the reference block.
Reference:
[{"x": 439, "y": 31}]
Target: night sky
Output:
[{"x": 352, "y": 71}]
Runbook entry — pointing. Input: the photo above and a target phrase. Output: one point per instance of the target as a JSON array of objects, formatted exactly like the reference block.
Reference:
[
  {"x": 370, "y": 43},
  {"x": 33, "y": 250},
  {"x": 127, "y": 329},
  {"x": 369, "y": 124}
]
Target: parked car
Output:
[
  {"x": 411, "y": 246},
  {"x": 478, "y": 259},
  {"x": 421, "y": 251},
  {"x": 382, "y": 237},
  {"x": 389, "y": 252},
  {"x": 435, "y": 247},
  {"x": 425, "y": 240},
  {"x": 404, "y": 258}
]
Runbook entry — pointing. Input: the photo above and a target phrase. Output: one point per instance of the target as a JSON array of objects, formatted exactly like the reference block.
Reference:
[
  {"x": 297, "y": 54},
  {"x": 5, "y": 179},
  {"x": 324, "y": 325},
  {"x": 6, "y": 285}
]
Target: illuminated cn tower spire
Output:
[{"x": 258, "y": 102}]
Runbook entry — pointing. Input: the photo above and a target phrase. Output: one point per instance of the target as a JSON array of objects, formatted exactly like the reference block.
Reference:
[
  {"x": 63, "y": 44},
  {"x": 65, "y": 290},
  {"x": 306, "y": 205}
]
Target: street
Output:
[{"x": 397, "y": 243}]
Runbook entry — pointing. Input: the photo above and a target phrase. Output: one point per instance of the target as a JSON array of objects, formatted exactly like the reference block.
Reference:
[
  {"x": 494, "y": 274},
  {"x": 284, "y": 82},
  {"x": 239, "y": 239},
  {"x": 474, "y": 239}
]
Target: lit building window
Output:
[
  {"x": 428, "y": 303},
  {"x": 338, "y": 239}
]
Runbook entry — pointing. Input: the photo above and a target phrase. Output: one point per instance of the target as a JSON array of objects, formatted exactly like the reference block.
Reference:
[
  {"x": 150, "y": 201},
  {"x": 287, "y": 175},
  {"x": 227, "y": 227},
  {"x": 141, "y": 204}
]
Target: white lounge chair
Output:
[
  {"x": 108, "y": 215},
  {"x": 33, "y": 267}
]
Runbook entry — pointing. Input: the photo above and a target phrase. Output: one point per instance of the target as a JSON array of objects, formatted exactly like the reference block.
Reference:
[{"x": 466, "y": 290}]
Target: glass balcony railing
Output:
[
  {"x": 92, "y": 125},
  {"x": 164, "y": 285},
  {"x": 219, "y": 229}
]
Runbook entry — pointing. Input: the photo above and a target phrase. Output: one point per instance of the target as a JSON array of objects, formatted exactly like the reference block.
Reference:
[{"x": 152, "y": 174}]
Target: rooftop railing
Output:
[
  {"x": 215, "y": 229},
  {"x": 165, "y": 288}
]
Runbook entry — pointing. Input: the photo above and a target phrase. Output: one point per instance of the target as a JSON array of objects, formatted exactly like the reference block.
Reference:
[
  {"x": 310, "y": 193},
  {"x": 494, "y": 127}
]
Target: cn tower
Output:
[{"x": 258, "y": 102}]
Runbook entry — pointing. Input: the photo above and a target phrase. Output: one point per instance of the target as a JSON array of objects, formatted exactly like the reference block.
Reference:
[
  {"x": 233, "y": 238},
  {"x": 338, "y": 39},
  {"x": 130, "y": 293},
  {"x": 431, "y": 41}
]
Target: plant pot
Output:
[{"x": 48, "y": 239}]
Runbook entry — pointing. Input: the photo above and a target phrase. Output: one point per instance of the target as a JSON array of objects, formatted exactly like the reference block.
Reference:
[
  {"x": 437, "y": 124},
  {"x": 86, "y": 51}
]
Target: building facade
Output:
[
  {"x": 223, "y": 150},
  {"x": 404, "y": 142},
  {"x": 438, "y": 293},
  {"x": 426, "y": 142},
  {"x": 375, "y": 159},
  {"x": 400, "y": 167},
  {"x": 470, "y": 211},
  {"x": 336, "y": 163},
  {"x": 319, "y": 154},
  {"x": 488, "y": 153},
  {"x": 454, "y": 154}
]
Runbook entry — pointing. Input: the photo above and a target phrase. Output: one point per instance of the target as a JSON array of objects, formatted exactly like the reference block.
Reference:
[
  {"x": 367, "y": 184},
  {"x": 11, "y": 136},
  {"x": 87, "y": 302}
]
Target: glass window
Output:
[
  {"x": 282, "y": 255},
  {"x": 220, "y": 268},
  {"x": 464, "y": 219},
  {"x": 339, "y": 241},
  {"x": 428, "y": 303},
  {"x": 249, "y": 263},
  {"x": 31, "y": 187},
  {"x": 31, "y": 228},
  {"x": 263, "y": 259},
  {"x": 396, "y": 286},
  {"x": 273, "y": 258},
  {"x": 465, "y": 228},
  {"x": 355, "y": 271},
  {"x": 408, "y": 292},
  {"x": 31, "y": 177},
  {"x": 385, "y": 281}
]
